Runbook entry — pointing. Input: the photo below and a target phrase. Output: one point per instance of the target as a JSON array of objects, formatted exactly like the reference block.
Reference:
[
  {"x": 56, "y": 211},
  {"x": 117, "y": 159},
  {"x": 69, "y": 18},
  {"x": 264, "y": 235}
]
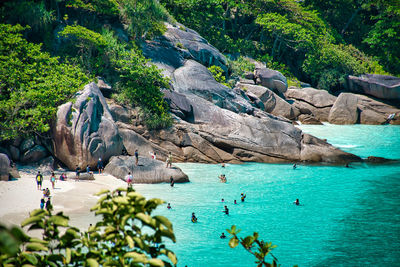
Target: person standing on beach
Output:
[
  {"x": 42, "y": 202},
  {"x": 129, "y": 179},
  {"x": 39, "y": 180},
  {"x": 100, "y": 165},
  {"x": 136, "y": 157},
  {"x": 77, "y": 172},
  {"x": 169, "y": 160},
  {"x": 53, "y": 179}
]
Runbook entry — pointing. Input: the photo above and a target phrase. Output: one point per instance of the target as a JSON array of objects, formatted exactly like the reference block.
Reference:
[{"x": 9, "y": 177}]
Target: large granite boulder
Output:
[
  {"x": 272, "y": 79},
  {"x": 34, "y": 154},
  {"x": 314, "y": 149},
  {"x": 85, "y": 130},
  {"x": 345, "y": 110},
  {"x": 179, "y": 105},
  {"x": 381, "y": 86},
  {"x": 6, "y": 170},
  {"x": 198, "y": 47},
  {"x": 4, "y": 167},
  {"x": 148, "y": 171},
  {"x": 196, "y": 79},
  {"x": 375, "y": 112},
  {"x": 312, "y": 101},
  {"x": 273, "y": 103}
]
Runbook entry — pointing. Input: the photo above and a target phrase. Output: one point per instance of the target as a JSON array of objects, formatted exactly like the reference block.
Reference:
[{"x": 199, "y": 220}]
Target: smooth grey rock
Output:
[
  {"x": 85, "y": 131},
  {"x": 149, "y": 171},
  {"x": 272, "y": 79},
  {"x": 314, "y": 149},
  {"x": 120, "y": 113},
  {"x": 104, "y": 87},
  {"x": 34, "y": 154},
  {"x": 178, "y": 103},
  {"x": 4, "y": 167},
  {"x": 273, "y": 103},
  {"x": 381, "y": 86},
  {"x": 196, "y": 79},
  {"x": 312, "y": 96},
  {"x": 198, "y": 47},
  {"x": 27, "y": 144},
  {"x": 375, "y": 112},
  {"x": 15, "y": 154},
  {"x": 344, "y": 111},
  {"x": 308, "y": 119}
]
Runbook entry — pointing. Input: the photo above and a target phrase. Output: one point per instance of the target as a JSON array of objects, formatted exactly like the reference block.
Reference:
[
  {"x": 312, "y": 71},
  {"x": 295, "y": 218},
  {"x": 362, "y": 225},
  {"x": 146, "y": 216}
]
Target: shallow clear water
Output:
[{"x": 348, "y": 217}]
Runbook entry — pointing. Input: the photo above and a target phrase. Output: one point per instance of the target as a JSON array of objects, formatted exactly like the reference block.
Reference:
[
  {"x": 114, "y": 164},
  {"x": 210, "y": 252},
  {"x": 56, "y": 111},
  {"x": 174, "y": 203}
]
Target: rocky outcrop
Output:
[
  {"x": 196, "y": 79},
  {"x": 34, "y": 154},
  {"x": 353, "y": 108},
  {"x": 272, "y": 103},
  {"x": 198, "y": 47},
  {"x": 271, "y": 79},
  {"x": 380, "y": 86},
  {"x": 344, "y": 111},
  {"x": 6, "y": 170},
  {"x": 308, "y": 119},
  {"x": 312, "y": 101},
  {"x": 179, "y": 105},
  {"x": 85, "y": 131},
  {"x": 148, "y": 171},
  {"x": 314, "y": 149},
  {"x": 219, "y": 135}
]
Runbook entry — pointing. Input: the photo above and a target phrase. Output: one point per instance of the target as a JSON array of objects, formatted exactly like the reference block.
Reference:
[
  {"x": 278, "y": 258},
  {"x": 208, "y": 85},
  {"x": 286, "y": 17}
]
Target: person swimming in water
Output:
[
  {"x": 169, "y": 206},
  {"x": 226, "y": 210},
  {"x": 234, "y": 202},
  {"x": 242, "y": 197},
  {"x": 222, "y": 200},
  {"x": 194, "y": 218},
  {"x": 297, "y": 202},
  {"x": 294, "y": 166},
  {"x": 222, "y": 236},
  {"x": 223, "y": 165}
]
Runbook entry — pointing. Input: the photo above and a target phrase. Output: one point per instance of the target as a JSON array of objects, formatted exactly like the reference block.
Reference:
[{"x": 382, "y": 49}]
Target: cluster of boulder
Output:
[{"x": 254, "y": 121}]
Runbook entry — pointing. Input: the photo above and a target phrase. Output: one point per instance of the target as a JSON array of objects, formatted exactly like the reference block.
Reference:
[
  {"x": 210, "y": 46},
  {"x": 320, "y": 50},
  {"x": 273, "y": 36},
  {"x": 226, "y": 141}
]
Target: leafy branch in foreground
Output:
[
  {"x": 255, "y": 246},
  {"x": 127, "y": 235}
]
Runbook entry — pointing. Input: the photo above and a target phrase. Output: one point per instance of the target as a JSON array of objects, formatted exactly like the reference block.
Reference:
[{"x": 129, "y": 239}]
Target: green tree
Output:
[
  {"x": 32, "y": 85},
  {"x": 126, "y": 235}
]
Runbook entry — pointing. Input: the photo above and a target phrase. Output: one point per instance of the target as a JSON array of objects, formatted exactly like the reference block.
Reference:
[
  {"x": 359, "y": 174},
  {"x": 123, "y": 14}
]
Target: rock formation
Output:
[
  {"x": 380, "y": 86},
  {"x": 85, "y": 131},
  {"x": 148, "y": 171}
]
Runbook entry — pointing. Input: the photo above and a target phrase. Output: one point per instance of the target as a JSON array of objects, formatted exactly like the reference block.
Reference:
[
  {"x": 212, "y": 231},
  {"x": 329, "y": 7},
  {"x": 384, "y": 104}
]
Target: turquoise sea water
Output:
[{"x": 348, "y": 217}]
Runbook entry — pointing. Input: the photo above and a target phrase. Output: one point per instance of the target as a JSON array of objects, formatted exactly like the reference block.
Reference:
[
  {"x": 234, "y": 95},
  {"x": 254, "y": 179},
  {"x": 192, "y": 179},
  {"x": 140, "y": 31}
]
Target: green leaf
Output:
[
  {"x": 130, "y": 242},
  {"x": 92, "y": 262},
  {"x": 121, "y": 200},
  {"x": 164, "y": 221},
  {"x": 156, "y": 262},
  {"x": 137, "y": 257},
  {"x": 31, "y": 220},
  {"x": 36, "y": 247},
  {"x": 59, "y": 220},
  {"x": 144, "y": 217},
  {"x": 30, "y": 257},
  {"x": 233, "y": 242},
  {"x": 172, "y": 257},
  {"x": 67, "y": 255}
]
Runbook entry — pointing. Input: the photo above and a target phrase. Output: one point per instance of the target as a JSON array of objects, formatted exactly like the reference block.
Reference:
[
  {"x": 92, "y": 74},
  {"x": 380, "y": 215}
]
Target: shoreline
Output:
[{"x": 74, "y": 198}]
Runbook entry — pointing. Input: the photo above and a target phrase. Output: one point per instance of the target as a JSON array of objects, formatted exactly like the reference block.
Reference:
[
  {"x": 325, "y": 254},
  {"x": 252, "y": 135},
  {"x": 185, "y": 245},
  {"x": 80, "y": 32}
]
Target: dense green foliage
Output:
[
  {"x": 291, "y": 36},
  {"x": 126, "y": 235},
  {"x": 32, "y": 85},
  {"x": 86, "y": 37}
]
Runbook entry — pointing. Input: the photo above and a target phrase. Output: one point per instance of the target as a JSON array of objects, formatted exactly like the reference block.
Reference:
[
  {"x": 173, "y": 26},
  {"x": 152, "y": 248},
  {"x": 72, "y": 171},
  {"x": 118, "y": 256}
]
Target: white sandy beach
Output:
[{"x": 74, "y": 198}]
